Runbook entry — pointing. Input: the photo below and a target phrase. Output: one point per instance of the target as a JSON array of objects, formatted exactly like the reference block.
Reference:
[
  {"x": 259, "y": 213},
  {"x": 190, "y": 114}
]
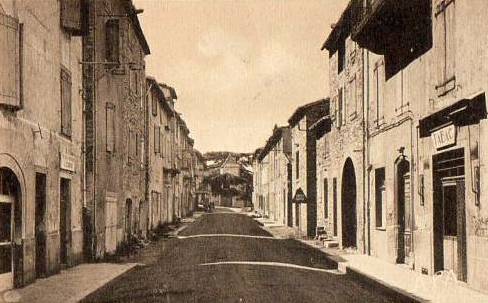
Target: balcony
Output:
[{"x": 402, "y": 27}]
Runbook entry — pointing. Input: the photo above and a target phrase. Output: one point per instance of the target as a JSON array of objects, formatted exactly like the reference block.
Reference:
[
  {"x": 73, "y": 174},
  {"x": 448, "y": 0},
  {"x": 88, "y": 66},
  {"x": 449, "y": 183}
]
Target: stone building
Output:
[
  {"x": 114, "y": 94},
  {"x": 425, "y": 113},
  {"x": 304, "y": 179},
  {"x": 276, "y": 154},
  {"x": 346, "y": 78},
  {"x": 41, "y": 166},
  {"x": 257, "y": 188},
  {"x": 159, "y": 116}
]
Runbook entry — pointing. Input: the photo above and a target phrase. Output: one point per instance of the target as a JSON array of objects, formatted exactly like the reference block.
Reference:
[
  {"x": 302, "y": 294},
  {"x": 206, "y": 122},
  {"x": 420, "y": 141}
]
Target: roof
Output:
[
  {"x": 154, "y": 85},
  {"x": 272, "y": 141},
  {"x": 132, "y": 14},
  {"x": 343, "y": 27},
  {"x": 169, "y": 92},
  {"x": 319, "y": 106}
]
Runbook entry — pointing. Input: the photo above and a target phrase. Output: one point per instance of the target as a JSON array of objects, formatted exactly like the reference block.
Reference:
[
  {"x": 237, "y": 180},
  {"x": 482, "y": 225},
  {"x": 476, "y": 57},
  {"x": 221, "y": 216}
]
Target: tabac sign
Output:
[
  {"x": 300, "y": 196},
  {"x": 67, "y": 162},
  {"x": 444, "y": 137}
]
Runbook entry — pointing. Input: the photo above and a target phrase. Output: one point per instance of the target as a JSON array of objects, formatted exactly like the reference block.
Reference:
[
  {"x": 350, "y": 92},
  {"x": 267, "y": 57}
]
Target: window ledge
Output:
[{"x": 381, "y": 228}]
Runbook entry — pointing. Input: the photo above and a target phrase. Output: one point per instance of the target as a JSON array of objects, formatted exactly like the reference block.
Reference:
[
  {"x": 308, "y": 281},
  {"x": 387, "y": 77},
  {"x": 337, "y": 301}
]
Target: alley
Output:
[{"x": 227, "y": 257}]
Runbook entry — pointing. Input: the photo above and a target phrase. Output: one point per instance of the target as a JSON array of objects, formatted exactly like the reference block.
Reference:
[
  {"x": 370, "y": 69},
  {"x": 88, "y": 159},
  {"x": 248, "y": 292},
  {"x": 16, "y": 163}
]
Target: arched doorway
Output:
[
  {"x": 403, "y": 202},
  {"x": 10, "y": 230},
  {"x": 348, "y": 205}
]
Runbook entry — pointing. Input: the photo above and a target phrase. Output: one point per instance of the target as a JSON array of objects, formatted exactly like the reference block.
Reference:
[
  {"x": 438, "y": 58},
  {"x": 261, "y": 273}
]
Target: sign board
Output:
[
  {"x": 67, "y": 162},
  {"x": 444, "y": 137},
  {"x": 300, "y": 196}
]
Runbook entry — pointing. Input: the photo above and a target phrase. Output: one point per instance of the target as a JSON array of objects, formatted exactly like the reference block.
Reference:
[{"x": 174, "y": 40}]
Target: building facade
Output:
[
  {"x": 114, "y": 94},
  {"x": 304, "y": 178},
  {"x": 276, "y": 155},
  {"x": 41, "y": 166}
]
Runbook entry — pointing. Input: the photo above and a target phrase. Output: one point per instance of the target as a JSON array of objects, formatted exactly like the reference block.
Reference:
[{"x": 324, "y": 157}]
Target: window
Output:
[
  {"x": 380, "y": 198},
  {"x": 71, "y": 18},
  {"x": 378, "y": 92},
  {"x": 352, "y": 98},
  {"x": 325, "y": 194},
  {"x": 340, "y": 104},
  {"x": 10, "y": 61},
  {"x": 154, "y": 104},
  {"x": 110, "y": 127},
  {"x": 297, "y": 164},
  {"x": 445, "y": 45},
  {"x": 161, "y": 142},
  {"x": 133, "y": 82},
  {"x": 129, "y": 141},
  {"x": 157, "y": 146},
  {"x": 112, "y": 41},
  {"x": 326, "y": 147},
  {"x": 341, "y": 54},
  {"x": 65, "y": 103}
]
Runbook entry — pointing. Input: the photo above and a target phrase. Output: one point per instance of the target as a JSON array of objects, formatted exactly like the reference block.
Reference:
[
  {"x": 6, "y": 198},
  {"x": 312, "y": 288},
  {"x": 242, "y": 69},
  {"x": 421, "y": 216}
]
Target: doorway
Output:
[
  {"x": 297, "y": 214},
  {"x": 40, "y": 225},
  {"x": 10, "y": 231},
  {"x": 404, "y": 211},
  {"x": 348, "y": 205},
  {"x": 128, "y": 219},
  {"x": 450, "y": 249},
  {"x": 64, "y": 219}
]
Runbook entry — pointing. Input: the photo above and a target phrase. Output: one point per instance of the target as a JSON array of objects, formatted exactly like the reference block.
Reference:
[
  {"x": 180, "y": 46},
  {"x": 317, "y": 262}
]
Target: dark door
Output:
[
  {"x": 403, "y": 212},
  {"x": 297, "y": 214},
  {"x": 64, "y": 219},
  {"x": 40, "y": 225},
  {"x": 348, "y": 205},
  {"x": 334, "y": 205},
  {"x": 128, "y": 218}
]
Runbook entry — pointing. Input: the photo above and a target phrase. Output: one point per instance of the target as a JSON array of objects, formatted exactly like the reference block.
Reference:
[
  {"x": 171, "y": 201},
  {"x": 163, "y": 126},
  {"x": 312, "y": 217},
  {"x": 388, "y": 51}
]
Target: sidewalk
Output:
[
  {"x": 418, "y": 287},
  {"x": 69, "y": 286}
]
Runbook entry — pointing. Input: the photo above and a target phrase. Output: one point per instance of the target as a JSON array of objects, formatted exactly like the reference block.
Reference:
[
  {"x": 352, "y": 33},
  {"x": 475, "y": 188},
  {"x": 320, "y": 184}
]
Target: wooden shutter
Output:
[
  {"x": 65, "y": 103},
  {"x": 445, "y": 46},
  {"x": 112, "y": 41},
  {"x": 10, "y": 61},
  {"x": 161, "y": 142},
  {"x": 71, "y": 15},
  {"x": 110, "y": 124}
]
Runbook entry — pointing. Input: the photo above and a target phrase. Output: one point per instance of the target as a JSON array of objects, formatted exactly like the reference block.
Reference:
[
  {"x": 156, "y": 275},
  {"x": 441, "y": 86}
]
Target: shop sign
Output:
[
  {"x": 67, "y": 162},
  {"x": 445, "y": 136}
]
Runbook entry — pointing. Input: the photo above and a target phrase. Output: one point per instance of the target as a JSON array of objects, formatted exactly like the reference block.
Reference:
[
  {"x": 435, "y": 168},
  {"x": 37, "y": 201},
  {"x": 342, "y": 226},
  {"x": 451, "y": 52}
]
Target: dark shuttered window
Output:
[{"x": 65, "y": 103}]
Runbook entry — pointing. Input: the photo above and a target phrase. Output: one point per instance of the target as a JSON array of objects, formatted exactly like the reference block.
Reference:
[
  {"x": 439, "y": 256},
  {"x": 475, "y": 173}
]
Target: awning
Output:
[
  {"x": 299, "y": 197},
  {"x": 467, "y": 111}
]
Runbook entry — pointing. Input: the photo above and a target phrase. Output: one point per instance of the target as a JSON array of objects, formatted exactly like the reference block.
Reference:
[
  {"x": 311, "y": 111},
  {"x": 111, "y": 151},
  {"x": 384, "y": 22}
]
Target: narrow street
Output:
[{"x": 227, "y": 257}]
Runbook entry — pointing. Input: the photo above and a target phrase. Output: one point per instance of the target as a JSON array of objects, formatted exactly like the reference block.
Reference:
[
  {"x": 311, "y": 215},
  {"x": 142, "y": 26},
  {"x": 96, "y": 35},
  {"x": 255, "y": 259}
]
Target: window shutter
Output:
[
  {"x": 110, "y": 124},
  {"x": 450, "y": 40},
  {"x": 71, "y": 15},
  {"x": 112, "y": 41},
  {"x": 65, "y": 103},
  {"x": 161, "y": 142},
  {"x": 10, "y": 61}
]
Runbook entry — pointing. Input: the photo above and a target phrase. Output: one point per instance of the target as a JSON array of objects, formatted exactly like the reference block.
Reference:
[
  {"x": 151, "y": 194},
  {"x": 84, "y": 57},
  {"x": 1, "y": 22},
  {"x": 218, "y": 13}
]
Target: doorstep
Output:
[{"x": 70, "y": 285}]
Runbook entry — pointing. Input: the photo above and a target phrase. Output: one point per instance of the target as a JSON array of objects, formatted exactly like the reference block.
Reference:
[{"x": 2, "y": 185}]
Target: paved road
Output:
[{"x": 208, "y": 265}]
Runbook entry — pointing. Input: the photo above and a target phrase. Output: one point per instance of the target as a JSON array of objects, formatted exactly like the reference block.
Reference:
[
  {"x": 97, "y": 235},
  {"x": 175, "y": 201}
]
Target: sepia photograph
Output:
[{"x": 243, "y": 151}]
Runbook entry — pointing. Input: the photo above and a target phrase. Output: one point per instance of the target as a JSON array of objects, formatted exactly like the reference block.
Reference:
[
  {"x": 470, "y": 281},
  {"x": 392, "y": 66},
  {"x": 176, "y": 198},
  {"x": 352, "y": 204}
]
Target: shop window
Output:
[
  {"x": 445, "y": 45},
  {"x": 65, "y": 103},
  {"x": 112, "y": 41},
  {"x": 380, "y": 198}
]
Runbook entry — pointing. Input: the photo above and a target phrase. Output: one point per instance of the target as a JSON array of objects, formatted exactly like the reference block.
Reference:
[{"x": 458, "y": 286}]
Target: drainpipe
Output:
[{"x": 367, "y": 160}]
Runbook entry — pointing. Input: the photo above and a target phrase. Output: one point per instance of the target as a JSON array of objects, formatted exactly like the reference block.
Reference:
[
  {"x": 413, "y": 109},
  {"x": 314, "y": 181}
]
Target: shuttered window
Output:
[
  {"x": 161, "y": 142},
  {"x": 157, "y": 144},
  {"x": 445, "y": 45},
  {"x": 340, "y": 104},
  {"x": 326, "y": 199},
  {"x": 10, "y": 61},
  {"x": 154, "y": 104},
  {"x": 378, "y": 92},
  {"x": 112, "y": 41},
  {"x": 110, "y": 124},
  {"x": 65, "y": 103},
  {"x": 71, "y": 19}
]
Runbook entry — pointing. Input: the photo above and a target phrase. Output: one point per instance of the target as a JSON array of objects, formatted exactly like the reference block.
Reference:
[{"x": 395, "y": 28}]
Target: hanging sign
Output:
[
  {"x": 300, "y": 196},
  {"x": 444, "y": 137}
]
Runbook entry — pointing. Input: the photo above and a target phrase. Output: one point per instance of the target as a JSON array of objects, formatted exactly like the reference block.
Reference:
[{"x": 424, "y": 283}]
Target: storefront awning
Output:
[{"x": 467, "y": 111}]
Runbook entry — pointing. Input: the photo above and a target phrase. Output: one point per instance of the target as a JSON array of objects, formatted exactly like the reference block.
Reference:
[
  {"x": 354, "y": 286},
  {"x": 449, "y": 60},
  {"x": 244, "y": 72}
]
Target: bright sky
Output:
[{"x": 239, "y": 67}]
